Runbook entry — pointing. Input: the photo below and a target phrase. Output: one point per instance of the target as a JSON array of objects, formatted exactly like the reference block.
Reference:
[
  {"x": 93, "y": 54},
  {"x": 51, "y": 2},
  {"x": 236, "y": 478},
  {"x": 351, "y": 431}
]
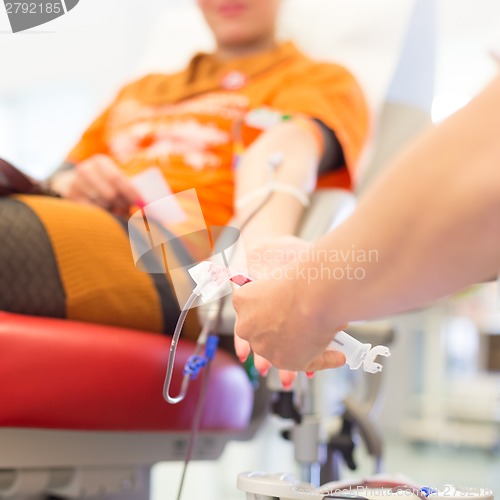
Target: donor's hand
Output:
[{"x": 98, "y": 181}]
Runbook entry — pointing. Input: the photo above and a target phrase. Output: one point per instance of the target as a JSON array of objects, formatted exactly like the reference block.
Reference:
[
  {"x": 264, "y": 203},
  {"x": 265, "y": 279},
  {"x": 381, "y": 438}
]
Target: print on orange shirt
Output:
[{"x": 184, "y": 123}]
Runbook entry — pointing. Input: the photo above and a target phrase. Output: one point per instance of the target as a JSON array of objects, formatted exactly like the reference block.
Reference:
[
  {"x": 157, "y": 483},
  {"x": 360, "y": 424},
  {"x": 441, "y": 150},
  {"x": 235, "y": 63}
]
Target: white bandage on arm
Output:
[
  {"x": 273, "y": 187},
  {"x": 274, "y": 161}
]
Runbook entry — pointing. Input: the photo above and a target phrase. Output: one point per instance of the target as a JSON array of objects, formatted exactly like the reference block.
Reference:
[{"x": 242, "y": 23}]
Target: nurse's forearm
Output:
[{"x": 430, "y": 225}]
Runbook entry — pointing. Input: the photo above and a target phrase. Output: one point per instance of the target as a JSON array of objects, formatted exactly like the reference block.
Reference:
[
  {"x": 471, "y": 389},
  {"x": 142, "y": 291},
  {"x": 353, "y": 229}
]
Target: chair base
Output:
[
  {"x": 80, "y": 464},
  {"x": 112, "y": 483}
]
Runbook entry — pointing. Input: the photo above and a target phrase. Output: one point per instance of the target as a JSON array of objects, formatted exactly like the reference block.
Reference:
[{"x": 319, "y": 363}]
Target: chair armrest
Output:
[{"x": 328, "y": 209}]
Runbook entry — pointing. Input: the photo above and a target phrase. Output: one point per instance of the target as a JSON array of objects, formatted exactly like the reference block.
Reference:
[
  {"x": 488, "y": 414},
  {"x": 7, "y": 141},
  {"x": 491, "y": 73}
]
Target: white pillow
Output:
[{"x": 366, "y": 36}]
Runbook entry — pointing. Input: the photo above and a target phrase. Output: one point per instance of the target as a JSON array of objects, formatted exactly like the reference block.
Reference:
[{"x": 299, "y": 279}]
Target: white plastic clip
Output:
[{"x": 358, "y": 354}]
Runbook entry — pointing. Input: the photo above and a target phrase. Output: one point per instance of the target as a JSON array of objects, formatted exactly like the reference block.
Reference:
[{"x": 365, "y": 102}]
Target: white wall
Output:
[
  {"x": 55, "y": 78},
  {"x": 468, "y": 29},
  {"x": 96, "y": 42}
]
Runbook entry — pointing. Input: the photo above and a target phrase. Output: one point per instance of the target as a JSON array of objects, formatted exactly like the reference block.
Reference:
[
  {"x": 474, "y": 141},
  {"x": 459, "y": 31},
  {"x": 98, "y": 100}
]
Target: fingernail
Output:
[
  {"x": 243, "y": 358},
  {"x": 140, "y": 203},
  {"x": 286, "y": 385},
  {"x": 264, "y": 372},
  {"x": 310, "y": 374}
]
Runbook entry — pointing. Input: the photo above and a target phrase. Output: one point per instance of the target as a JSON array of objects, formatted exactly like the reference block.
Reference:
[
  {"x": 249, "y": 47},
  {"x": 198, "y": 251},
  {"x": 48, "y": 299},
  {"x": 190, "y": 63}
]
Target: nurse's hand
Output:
[
  {"x": 268, "y": 313},
  {"x": 274, "y": 319},
  {"x": 98, "y": 181}
]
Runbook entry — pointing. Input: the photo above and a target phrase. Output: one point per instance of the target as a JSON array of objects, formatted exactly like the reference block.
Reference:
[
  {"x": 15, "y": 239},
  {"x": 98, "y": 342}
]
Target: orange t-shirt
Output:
[{"x": 185, "y": 123}]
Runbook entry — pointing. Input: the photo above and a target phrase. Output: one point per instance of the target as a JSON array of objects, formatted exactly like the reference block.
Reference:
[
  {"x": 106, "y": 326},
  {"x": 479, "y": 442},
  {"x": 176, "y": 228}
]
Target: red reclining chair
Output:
[
  {"x": 81, "y": 406},
  {"x": 82, "y": 412}
]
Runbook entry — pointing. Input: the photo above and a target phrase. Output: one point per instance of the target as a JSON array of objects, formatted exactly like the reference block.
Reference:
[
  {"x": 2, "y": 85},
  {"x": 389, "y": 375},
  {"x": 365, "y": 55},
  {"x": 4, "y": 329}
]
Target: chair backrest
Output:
[{"x": 407, "y": 107}]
